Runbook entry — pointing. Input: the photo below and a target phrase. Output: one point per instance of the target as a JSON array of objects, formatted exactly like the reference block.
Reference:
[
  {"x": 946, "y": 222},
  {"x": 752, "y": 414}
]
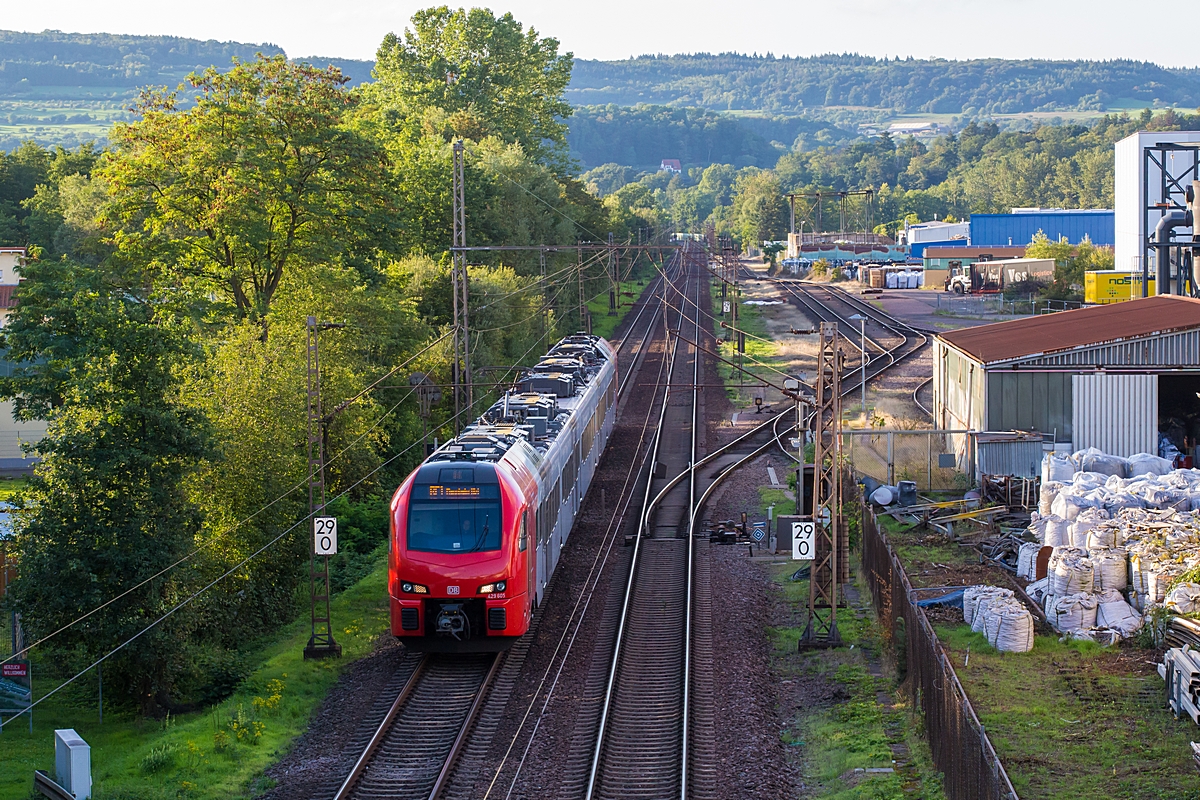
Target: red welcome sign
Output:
[{"x": 17, "y": 670}]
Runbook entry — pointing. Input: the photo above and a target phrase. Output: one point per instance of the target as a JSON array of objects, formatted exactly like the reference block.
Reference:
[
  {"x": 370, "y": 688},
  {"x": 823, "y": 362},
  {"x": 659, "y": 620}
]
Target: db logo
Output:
[{"x": 451, "y": 590}]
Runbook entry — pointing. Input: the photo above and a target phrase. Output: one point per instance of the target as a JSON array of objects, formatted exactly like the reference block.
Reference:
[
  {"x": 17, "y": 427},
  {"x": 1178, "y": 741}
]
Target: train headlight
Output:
[
  {"x": 413, "y": 588},
  {"x": 492, "y": 588}
]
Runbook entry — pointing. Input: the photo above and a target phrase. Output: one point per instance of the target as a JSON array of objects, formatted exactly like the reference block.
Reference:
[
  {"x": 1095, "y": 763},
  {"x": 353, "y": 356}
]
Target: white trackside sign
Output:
[
  {"x": 804, "y": 540},
  {"x": 325, "y": 536}
]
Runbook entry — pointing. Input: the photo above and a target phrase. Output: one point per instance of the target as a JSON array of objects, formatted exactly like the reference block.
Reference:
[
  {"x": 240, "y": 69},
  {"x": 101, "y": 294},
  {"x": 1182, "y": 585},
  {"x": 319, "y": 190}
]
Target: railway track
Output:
[
  {"x": 647, "y": 733},
  {"x": 642, "y": 740},
  {"x": 414, "y": 747},
  {"x": 899, "y": 341}
]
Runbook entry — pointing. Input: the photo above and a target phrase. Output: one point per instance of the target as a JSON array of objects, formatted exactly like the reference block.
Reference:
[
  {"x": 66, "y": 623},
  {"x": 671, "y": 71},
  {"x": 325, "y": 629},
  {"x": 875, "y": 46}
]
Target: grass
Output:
[
  {"x": 603, "y": 324},
  {"x": 771, "y": 496},
  {"x": 1072, "y": 721},
  {"x": 1069, "y": 720},
  {"x": 217, "y": 753},
  {"x": 749, "y": 319},
  {"x": 10, "y": 487},
  {"x": 856, "y": 730}
]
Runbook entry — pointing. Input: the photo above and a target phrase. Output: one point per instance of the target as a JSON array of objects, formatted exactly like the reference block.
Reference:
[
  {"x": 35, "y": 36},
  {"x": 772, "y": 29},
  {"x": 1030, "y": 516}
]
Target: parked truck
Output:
[{"x": 989, "y": 277}]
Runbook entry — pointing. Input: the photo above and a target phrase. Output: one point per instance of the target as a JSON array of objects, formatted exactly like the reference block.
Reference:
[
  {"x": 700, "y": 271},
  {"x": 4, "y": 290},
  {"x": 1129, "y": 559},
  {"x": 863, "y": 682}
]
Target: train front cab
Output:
[{"x": 455, "y": 582}]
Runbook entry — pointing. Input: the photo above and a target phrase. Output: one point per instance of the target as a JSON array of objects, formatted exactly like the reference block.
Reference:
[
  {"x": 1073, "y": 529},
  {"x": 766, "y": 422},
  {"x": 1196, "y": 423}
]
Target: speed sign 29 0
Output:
[
  {"x": 804, "y": 540},
  {"x": 325, "y": 536}
]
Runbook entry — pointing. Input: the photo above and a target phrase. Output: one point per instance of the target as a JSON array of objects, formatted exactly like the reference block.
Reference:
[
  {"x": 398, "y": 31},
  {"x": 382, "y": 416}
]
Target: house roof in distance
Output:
[{"x": 1084, "y": 327}]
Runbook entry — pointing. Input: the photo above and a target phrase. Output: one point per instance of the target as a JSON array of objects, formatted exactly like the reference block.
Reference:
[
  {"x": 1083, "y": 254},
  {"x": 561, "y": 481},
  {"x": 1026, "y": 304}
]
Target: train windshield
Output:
[{"x": 454, "y": 518}]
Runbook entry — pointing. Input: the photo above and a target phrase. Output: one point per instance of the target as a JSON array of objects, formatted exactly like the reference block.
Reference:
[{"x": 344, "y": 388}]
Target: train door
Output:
[
  {"x": 556, "y": 499},
  {"x": 528, "y": 526},
  {"x": 543, "y": 548}
]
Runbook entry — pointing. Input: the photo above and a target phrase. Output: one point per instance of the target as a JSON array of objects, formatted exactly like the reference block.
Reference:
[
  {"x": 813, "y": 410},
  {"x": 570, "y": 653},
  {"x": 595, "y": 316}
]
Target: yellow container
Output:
[{"x": 1110, "y": 286}]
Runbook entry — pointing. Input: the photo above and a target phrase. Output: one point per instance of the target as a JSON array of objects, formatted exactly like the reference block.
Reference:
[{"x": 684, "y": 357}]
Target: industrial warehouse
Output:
[{"x": 1110, "y": 377}]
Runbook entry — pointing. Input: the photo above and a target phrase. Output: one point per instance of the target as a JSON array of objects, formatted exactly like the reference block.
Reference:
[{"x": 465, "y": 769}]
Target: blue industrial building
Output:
[{"x": 993, "y": 230}]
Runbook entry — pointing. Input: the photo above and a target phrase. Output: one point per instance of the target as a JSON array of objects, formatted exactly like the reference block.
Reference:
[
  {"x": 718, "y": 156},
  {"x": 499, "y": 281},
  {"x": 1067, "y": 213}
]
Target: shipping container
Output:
[
  {"x": 1019, "y": 229},
  {"x": 1116, "y": 413},
  {"x": 1109, "y": 286}
]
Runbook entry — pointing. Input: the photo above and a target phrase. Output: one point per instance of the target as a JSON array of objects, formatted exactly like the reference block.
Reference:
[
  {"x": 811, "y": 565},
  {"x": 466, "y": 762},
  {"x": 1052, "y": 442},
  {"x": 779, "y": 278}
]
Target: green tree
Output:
[
  {"x": 759, "y": 208},
  {"x": 262, "y": 173},
  {"x": 106, "y": 507},
  {"x": 486, "y": 75}
]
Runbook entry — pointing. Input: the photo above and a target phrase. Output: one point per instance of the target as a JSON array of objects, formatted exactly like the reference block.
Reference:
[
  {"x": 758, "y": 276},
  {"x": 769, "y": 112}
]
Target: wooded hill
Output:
[
  {"x": 53, "y": 64},
  {"x": 730, "y": 81}
]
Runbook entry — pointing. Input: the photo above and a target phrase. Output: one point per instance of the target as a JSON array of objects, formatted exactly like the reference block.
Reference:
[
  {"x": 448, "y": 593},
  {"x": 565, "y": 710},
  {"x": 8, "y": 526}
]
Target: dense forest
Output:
[
  {"x": 43, "y": 64},
  {"x": 640, "y": 137},
  {"x": 982, "y": 169},
  {"x": 731, "y": 81}
]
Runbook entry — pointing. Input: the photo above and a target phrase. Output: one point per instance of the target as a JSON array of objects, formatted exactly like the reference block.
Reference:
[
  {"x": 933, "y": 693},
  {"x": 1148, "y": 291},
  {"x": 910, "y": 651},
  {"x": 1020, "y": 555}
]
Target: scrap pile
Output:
[{"x": 1122, "y": 532}]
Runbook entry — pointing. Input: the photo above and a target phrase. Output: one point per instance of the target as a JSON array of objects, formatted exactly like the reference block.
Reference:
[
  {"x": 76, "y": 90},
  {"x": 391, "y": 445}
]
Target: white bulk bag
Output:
[
  {"x": 1027, "y": 560},
  {"x": 1057, "y": 468},
  {"x": 974, "y": 594},
  {"x": 1056, "y": 532},
  {"x": 1113, "y": 612},
  {"x": 1104, "y": 464},
  {"x": 1073, "y": 612},
  {"x": 1084, "y": 523},
  {"x": 1073, "y": 571},
  {"x": 1109, "y": 569},
  {"x": 1147, "y": 464},
  {"x": 1047, "y": 493},
  {"x": 1184, "y": 598},
  {"x": 1013, "y": 628}
]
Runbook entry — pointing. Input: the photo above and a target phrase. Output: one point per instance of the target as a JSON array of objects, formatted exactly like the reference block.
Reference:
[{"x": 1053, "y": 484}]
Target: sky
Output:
[{"x": 615, "y": 29}]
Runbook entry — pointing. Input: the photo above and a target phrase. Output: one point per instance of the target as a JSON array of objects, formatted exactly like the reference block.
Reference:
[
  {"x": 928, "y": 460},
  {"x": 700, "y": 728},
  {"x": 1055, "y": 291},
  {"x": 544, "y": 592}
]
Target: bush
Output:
[{"x": 161, "y": 757}]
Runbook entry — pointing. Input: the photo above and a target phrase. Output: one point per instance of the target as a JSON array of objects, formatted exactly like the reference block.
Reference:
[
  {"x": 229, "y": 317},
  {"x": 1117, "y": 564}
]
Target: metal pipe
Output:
[{"x": 1162, "y": 247}]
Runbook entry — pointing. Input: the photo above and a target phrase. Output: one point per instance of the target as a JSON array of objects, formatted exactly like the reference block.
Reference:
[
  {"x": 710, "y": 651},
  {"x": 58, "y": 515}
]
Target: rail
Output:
[{"x": 432, "y": 705}]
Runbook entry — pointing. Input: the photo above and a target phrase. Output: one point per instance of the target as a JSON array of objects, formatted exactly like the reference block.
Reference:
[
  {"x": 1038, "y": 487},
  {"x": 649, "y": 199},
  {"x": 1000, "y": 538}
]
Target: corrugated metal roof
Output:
[
  {"x": 996, "y": 251},
  {"x": 1084, "y": 327}
]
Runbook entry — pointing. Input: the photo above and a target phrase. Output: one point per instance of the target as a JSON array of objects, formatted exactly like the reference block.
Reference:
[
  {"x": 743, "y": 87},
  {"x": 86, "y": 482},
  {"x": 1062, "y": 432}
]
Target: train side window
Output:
[{"x": 523, "y": 534}]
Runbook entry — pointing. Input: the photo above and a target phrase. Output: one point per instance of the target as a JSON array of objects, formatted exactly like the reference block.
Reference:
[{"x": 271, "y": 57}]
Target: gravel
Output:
[{"x": 750, "y": 702}]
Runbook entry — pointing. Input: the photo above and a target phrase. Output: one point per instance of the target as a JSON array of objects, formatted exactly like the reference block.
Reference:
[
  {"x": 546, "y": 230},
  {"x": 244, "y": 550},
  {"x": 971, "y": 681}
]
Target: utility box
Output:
[{"x": 73, "y": 763}]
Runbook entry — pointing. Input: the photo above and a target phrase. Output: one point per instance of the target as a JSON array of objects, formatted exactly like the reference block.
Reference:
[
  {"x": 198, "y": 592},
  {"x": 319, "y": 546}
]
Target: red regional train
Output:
[{"x": 477, "y": 529}]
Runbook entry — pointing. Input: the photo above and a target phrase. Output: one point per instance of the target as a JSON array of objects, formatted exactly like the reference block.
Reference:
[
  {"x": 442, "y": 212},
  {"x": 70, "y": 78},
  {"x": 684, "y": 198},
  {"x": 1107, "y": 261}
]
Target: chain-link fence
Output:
[
  {"x": 993, "y": 304},
  {"x": 934, "y": 460},
  {"x": 961, "y": 749}
]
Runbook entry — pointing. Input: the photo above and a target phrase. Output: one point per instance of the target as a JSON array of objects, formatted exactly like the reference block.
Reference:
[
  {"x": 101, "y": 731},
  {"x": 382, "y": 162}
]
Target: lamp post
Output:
[{"x": 862, "y": 329}]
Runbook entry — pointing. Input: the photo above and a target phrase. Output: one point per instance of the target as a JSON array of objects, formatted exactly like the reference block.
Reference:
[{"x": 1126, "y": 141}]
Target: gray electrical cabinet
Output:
[{"x": 73, "y": 763}]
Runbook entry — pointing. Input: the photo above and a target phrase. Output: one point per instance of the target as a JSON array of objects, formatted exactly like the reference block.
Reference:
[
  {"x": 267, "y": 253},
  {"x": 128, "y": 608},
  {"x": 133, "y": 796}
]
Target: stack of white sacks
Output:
[
  {"x": 999, "y": 616},
  {"x": 1123, "y": 531},
  {"x": 905, "y": 279}
]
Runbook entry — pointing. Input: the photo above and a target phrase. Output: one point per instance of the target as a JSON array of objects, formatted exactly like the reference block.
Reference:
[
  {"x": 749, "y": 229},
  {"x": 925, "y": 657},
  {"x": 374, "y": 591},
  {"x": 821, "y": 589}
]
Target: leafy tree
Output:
[
  {"x": 1070, "y": 262},
  {"x": 487, "y": 75},
  {"x": 262, "y": 173},
  {"x": 106, "y": 506},
  {"x": 759, "y": 208}
]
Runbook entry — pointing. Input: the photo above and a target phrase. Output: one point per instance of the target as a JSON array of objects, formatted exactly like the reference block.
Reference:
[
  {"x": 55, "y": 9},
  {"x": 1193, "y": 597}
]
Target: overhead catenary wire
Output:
[
  {"x": 188, "y": 600},
  {"x": 237, "y": 525}
]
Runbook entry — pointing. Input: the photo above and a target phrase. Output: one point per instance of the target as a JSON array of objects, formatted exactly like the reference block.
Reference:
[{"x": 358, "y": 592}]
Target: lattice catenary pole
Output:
[{"x": 821, "y": 629}]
